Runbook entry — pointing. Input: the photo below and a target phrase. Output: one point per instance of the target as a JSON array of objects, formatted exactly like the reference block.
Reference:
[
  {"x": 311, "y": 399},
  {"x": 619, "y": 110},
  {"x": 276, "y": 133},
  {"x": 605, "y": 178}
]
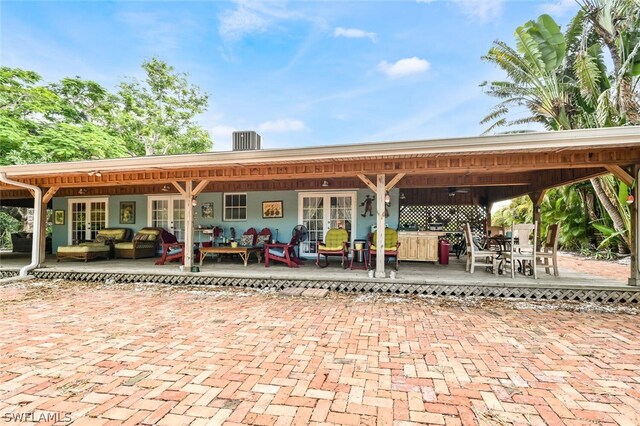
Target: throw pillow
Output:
[{"x": 246, "y": 240}]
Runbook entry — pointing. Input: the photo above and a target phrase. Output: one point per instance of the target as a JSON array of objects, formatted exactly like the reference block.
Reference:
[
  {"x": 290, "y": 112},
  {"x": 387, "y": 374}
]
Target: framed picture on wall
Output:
[
  {"x": 271, "y": 209},
  {"x": 207, "y": 210},
  {"x": 127, "y": 212},
  {"x": 58, "y": 217}
]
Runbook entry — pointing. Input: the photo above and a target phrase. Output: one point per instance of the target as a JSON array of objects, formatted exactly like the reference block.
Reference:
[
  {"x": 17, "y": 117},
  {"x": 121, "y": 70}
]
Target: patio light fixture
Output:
[
  {"x": 402, "y": 196},
  {"x": 82, "y": 191},
  {"x": 96, "y": 173},
  {"x": 387, "y": 198},
  {"x": 165, "y": 188},
  {"x": 194, "y": 201},
  {"x": 325, "y": 184}
]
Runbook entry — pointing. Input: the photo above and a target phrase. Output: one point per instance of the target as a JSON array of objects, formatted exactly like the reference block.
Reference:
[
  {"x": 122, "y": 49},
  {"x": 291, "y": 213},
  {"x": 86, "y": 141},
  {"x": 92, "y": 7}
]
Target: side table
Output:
[{"x": 365, "y": 257}]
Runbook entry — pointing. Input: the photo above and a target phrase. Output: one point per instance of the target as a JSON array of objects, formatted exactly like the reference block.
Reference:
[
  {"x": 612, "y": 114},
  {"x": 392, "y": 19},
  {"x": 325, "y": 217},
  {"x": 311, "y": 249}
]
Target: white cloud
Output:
[
  {"x": 560, "y": 7},
  {"x": 282, "y": 125},
  {"x": 405, "y": 67},
  {"x": 483, "y": 10},
  {"x": 251, "y": 17},
  {"x": 354, "y": 33}
]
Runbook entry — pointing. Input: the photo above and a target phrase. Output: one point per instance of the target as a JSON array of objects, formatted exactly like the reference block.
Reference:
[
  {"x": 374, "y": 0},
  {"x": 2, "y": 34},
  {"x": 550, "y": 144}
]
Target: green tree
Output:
[
  {"x": 42, "y": 123},
  {"x": 157, "y": 115},
  {"x": 562, "y": 80}
]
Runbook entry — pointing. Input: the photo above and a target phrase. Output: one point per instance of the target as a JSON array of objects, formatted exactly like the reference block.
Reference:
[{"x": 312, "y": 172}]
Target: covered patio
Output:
[{"x": 488, "y": 169}]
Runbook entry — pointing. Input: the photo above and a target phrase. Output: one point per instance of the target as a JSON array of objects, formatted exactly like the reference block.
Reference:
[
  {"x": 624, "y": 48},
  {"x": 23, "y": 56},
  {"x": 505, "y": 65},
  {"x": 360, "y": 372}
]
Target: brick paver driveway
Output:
[{"x": 99, "y": 354}]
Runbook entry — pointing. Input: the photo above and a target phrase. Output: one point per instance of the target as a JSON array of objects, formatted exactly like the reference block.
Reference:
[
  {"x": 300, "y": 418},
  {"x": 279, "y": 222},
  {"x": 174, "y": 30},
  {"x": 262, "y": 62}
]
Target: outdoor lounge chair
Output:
[
  {"x": 285, "y": 253},
  {"x": 144, "y": 244},
  {"x": 391, "y": 245},
  {"x": 172, "y": 249},
  {"x": 335, "y": 244},
  {"x": 101, "y": 246}
]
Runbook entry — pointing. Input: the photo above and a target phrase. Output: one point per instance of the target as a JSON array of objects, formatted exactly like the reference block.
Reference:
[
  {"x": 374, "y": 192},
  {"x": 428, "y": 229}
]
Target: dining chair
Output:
[
  {"x": 522, "y": 250},
  {"x": 476, "y": 256},
  {"x": 549, "y": 250}
]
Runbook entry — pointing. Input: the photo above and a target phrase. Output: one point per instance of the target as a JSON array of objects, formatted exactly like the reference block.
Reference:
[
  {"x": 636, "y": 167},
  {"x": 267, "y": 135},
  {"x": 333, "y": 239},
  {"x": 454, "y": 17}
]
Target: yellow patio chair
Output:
[
  {"x": 335, "y": 244},
  {"x": 391, "y": 245}
]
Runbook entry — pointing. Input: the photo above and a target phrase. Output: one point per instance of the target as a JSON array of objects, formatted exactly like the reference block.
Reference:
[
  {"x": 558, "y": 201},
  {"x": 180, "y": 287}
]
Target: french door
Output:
[
  {"x": 86, "y": 217},
  {"x": 321, "y": 211},
  {"x": 167, "y": 212}
]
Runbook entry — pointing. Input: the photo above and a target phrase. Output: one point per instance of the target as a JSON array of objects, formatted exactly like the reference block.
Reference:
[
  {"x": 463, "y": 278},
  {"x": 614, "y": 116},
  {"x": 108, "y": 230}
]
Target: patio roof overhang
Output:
[{"x": 492, "y": 167}]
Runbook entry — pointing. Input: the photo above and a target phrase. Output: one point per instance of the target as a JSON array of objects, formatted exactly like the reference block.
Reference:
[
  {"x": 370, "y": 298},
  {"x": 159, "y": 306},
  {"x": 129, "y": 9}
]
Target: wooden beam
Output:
[
  {"x": 188, "y": 226},
  {"x": 180, "y": 189},
  {"x": 198, "y": 189},
  {"x": 49, "y": 194},
  {"x": 367, "y": 182},
  {"x": 393, "y": 181},
  {"x": 621, "y": 174}
]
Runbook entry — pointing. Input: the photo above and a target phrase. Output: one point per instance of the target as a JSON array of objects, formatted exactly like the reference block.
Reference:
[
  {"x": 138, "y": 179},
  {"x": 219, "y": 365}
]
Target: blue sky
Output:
[{"x": 301, "y": 73}]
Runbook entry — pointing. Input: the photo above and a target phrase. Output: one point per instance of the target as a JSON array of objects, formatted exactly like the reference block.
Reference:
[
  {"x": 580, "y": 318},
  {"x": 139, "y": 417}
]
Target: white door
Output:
[
  {"x": 167, "y": 212},
  {"x": 86, "y": 217},
  {"x": 319, "y": 212}
]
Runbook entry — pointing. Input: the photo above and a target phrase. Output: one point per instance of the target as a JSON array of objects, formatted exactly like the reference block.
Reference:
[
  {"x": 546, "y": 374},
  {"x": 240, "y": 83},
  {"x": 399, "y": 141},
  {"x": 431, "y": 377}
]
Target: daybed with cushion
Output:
[
  {"x": 102, "y": 246},
  {"x": 145, "y": 244}
]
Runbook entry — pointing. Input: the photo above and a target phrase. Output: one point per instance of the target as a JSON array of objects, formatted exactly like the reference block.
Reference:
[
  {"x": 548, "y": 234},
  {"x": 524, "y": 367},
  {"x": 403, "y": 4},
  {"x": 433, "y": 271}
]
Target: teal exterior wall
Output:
[{"x": 283, "y": 225}]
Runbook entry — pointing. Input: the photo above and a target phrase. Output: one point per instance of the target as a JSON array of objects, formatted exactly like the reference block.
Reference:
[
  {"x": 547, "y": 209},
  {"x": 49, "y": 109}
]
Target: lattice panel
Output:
[
  {"x": 8, "y": 274},
  {"x": 452, "y": 217},
  {"x": 357, "y": 286}
]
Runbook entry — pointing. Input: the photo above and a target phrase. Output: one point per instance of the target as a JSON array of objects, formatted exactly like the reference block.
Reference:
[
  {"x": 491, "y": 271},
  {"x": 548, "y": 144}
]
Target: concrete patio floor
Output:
[
  {"x": 170, "y": 355},
  {"x": 409, "y": 272}
]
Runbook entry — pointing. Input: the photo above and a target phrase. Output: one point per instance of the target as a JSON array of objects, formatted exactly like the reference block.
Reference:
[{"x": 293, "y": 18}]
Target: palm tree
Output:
[{"x": 562, "y": 82}]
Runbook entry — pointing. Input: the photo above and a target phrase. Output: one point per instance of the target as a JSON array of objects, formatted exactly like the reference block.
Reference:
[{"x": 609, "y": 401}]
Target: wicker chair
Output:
[{"x": 145, "y": 244}]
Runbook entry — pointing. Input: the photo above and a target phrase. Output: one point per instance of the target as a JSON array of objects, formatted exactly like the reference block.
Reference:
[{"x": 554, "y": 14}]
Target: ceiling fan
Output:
[{"x": 454, "y": 191}]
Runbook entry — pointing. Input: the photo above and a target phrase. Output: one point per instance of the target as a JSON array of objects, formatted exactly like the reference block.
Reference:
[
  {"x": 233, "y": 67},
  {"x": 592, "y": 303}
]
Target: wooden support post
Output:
[
  {"x": 188, "y": 225},
  {"x": 380, "y": 222},
  {"x": 46, "y": 197},
  {"x": 634, "y": 272},
  {"x": 489, "y": 207},
  {"x": 537, "y": 198}
]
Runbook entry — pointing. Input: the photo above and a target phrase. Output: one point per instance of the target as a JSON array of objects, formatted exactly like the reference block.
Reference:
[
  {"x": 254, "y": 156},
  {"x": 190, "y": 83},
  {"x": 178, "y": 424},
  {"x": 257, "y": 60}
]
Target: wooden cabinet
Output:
[{"x": 419, "y": 245}]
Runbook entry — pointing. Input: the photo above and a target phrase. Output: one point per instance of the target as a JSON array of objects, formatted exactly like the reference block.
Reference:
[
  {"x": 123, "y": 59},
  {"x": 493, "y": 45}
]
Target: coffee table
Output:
[{"x": 243, "y": 252}]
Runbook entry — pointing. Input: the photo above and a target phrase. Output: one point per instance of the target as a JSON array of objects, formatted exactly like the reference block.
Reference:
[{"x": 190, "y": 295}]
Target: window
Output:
[{"x": 235, "y": 206}]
